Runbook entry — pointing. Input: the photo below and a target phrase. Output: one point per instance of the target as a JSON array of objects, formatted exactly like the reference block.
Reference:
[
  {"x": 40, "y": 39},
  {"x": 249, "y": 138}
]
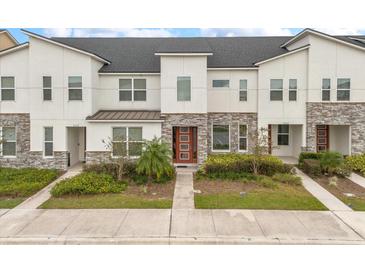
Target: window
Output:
[
  {"x": 220, "y": 84},
  {"x": 343, "y": 89},
  {"x": 283, "y": 135},
  {"x": 242, "y": 138},
  {"x": 47, "y": 88},
  {"x": 243, "y": 90},
  {"x": 326, "y": 89},
  {"x": 293, "y": 89},
  {"x": 8, "y": 141},
  {"x": 127, "y": 141},
  {"x": 276, "y": 90},
  {"x": 132, "y": 90},
  {"x": 7, "y": 89},
  {"x": 74, "y": 88},
  {"x": 221, "y": 137},
  {"x": 48, "y": 141},
  {"x": 183, "y": 88}
]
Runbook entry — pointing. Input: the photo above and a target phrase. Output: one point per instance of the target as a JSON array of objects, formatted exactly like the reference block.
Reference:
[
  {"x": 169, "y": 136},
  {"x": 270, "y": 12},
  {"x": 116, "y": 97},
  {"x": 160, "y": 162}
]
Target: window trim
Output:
[
  {"x": 191, "y": 85},
  {"x": 47, "y": 88},
  {"x": 80, "y": 88},
  {"x": 326, "y": 89},
  {"x": 239, "y": 90},
  {"x": 229, "y": 138},
  {"x": 229, "y": 83},
  {"x": 126, "y": 141},
  {"x": 344, "y": 89},
  {"x": 1, "y": 144},
  {"x": 282, "y": 90},
  {"x": 239, "y": 138},
  {"x": 292, "y": 90},
  {"x": 132, "y": 89},
  {"x": 1, "y": 89},
  {"x": 44, "y": 142},
  {"x": 279, "y": 133}
]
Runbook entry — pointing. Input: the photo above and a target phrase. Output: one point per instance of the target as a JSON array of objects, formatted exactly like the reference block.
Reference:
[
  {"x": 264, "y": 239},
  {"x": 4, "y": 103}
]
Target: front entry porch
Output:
[
  {"x": 76, "y": 145},
  {"x": 333, "y": 138},
  {"x": 185, "y": 145},
  {"x": 285, "y": 140}
]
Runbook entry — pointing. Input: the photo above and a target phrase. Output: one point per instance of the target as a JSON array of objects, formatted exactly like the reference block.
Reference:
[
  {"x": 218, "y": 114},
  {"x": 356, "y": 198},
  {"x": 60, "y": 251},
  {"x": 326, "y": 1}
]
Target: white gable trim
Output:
[
  {"x": 34, "y": 35},
  {"x": 183, "y": 54},
  {"x": 13, "y": 49},
  {"x": 282, "y": 55}
]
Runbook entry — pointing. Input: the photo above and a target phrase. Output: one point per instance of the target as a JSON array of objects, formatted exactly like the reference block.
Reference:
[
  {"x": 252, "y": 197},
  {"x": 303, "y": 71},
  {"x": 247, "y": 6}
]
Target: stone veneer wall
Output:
[
  {"x": 198, "y": 120},
  {"x": 25, "y": 157},
  {"x": 352, "y": 114},
  {"x": 234, "y": 120},
  {"x": 97, "y": 157}
]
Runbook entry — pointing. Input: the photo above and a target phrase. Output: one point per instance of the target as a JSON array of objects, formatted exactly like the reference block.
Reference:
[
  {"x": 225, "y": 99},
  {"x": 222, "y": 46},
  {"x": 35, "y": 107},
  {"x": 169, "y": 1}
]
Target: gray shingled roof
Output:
[
  {"x": 138, "y": 54},
  {"x": 125, "y": 115}
]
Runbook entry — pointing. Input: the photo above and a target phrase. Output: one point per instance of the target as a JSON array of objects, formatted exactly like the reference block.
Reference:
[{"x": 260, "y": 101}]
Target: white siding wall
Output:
[
  {"x": 227, "y": 99},
  {"x": 174, "y": 66}
]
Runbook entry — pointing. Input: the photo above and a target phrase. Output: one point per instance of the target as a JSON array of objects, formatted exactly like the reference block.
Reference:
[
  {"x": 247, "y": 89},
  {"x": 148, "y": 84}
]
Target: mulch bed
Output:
[
  {"x": 218, "y": 186},
  {"x": 154, "y": 191},
  {"x": 344, "y": 185}
]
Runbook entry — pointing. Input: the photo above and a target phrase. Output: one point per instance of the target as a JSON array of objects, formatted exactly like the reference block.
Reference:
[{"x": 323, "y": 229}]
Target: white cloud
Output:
[
  {"x": 342, "y": 31},
  {"x": 58, "y": 32},
  {"x": 214, "y": 32}
]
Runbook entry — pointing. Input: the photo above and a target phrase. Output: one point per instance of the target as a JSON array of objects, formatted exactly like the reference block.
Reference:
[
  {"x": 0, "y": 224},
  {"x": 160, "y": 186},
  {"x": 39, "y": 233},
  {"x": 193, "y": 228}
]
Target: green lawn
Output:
[
  {"x": 284, "y": 197},
  {"x": 105, "y": 201},
  {"x": 8, "y": 202},
  {"x": 357, "y": 204}
]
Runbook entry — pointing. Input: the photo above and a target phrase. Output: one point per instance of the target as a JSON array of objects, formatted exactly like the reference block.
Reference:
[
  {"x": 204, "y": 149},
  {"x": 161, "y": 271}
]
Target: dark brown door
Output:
[
  {"x": 185, "y": 143},
  {"x": 322, "y": 138}
]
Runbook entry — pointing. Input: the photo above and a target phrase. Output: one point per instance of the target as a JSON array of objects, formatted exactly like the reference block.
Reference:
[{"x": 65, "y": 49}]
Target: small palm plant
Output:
[{"x": 155, "y": 160}]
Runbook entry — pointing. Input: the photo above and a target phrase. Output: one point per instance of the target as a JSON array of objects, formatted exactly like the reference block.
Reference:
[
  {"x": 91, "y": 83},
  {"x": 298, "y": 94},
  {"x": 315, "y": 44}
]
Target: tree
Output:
[
  {"x": 155, "y": 159},
  {"x": 119, "y": 154}
]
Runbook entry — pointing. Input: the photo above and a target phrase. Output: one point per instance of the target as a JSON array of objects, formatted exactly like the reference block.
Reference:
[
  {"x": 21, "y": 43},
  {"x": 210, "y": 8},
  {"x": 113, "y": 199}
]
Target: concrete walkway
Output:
[
  {"x": 357, "y": 179},
  {"x": 43, "y": 195},
  {"x": 184, "y": 193},
  {"x": 325, "y": 197}
]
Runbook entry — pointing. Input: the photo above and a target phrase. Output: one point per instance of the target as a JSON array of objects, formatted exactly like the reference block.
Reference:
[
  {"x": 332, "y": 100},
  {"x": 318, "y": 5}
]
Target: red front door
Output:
[
  {"x": 185, "y": 145},
  {"x": 322, "y": 138}
]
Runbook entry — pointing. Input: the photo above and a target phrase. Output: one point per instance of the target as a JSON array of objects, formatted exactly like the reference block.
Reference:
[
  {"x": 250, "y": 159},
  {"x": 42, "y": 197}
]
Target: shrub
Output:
[
  {"x": 331, "y": 161},
  {"x": 228, "y": 175},
  {"x": 356, "y": 162},
  {"x": 286, "y": 178},
  {"x": 88, "y": 183},
  {"x": 242, "y": 163},
  {"x": 267, "y": 182},
  {"x": 107, "y": 168},
  {"x": 309, "y": 155},
  {"x": 312, "y": 167}
]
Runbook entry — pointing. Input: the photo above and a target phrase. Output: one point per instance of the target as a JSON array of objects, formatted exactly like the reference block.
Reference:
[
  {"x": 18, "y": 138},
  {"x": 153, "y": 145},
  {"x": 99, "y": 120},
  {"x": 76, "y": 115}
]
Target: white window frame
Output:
[
  {"x": 282, "y": 90},
  {"x": 293, "y": 90},
  {"x": 229, "y": 83},
  {"x": 44, "y": 142},
  {"x": 132, "y": 89},
  {"x": 1, "y": 145},
  {"x": 191, "y": 85},
  {"x": 127, "y": 141},
  {"x": 79, "y": 88},
  {"x": 344, "y": 89},
  {"x": 326, "y": 89},
  {"x": 240, "y": 89},
  {"x": 279, "y": 133},
  {"x": 1, "y": 89},
  {"x": 229, "y": 138},
  {"x": 47, "y": 88},
  {"x": 240, "y": 137}
]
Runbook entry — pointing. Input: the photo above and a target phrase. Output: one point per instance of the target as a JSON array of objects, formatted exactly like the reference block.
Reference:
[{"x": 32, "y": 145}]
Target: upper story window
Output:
[
  {"x": 283, "y": 135},
  {"x": 74, "y": 88},
  {"x": 220, "y": 138},
  {"x": 242, "y": 138},
  {"x": 293, "y": 88},
  {"x": 243, "y": 90},
  {"x": 48, "y": 142},
  {"x": 127, "y": 141},
  {"x": 8, "y": 137},
  {"x": 326, "y": 89},
  {"x": 132, "y": 90},
  {"x": 47, "y": 88},
  {"x": 276, "y": 90},
  {"x": 343, "y": 89},
  {"x": 220, "y": 84},
  {"x": 8, "y": 88},
  {"x": 183, "y": 88}
]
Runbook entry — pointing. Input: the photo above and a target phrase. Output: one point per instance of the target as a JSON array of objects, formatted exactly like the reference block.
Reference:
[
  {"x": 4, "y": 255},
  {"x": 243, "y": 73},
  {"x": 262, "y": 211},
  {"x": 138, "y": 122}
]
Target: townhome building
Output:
[{"x": 63, "y": 98}]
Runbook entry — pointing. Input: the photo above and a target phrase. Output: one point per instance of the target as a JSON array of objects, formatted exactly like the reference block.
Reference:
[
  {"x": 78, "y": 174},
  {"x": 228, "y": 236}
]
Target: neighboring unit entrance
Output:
[
  {"x": 322, "y": 138},
  {"x": 185, "y": 145}
]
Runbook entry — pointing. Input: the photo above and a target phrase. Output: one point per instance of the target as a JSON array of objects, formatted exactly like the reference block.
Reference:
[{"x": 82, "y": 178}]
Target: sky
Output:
[{"x": 172, "y": 32}]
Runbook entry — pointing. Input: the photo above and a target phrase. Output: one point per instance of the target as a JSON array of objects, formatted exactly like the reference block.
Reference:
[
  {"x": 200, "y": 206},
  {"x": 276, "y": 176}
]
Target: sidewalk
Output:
[
  {"x": 357, "y": 179},
  {"x": 43, "y": 195},
  {"x": 184, "y": 193}
]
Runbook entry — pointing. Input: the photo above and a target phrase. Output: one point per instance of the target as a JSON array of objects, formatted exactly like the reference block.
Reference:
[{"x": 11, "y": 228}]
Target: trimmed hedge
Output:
[
  {"x": 25, "y": 181},
  {"x": 112, "y": 169},
  {"x": 242, "y": 163},
  {"x": 356, "y": 162},
  {"x": 88, "y": 183},
  {"x": 309, "y": 155},
  {"x": 312, "y": 167}
]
